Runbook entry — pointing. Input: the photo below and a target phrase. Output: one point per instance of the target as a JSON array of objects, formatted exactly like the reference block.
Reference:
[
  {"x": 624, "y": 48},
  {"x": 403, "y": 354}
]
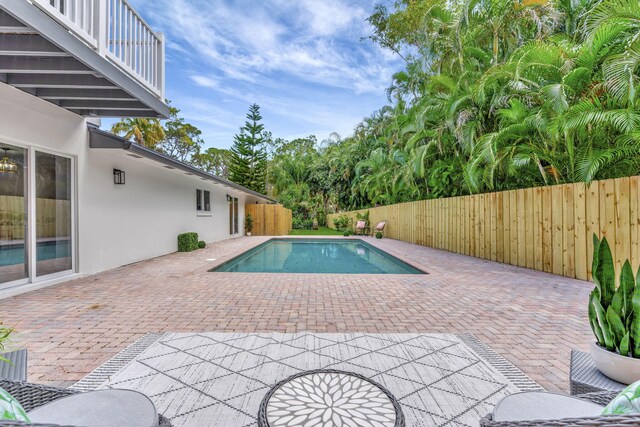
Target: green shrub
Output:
[
  {"x": 301, "y": 223},
  {"x": 202, "y": 244},
  {"x": 342, "y": 222},
  {"x": 346, "y": 233},
  {"x": 187, "y": 242},
  {"x": 378, "y": 235}
]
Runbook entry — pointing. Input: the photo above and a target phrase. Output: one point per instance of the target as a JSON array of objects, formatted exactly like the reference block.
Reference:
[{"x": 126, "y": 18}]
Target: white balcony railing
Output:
[{"x": 116, "y": 31}]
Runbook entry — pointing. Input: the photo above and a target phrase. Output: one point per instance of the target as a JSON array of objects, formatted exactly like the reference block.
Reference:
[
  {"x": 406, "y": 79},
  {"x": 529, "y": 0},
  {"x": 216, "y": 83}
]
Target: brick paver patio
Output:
[{"x": 533, "y": 319}]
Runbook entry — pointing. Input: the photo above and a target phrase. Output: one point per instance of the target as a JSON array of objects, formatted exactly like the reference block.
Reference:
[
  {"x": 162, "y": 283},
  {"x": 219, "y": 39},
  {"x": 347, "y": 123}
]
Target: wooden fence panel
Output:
[
  {"x": 269, "y": 220},
  {"x": 546, "y": 228}
]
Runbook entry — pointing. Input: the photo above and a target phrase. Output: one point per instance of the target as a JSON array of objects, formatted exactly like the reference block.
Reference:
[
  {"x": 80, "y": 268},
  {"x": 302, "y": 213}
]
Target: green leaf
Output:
[
  {"x": 593, "y": 318},
  {"x": 625, "y": 291},
  {"x": 594, "y": 263},
  {"x": 616, "y": 325},
  {"x": 605, "y": 274},
  {"x": 634, "y": 328},
  {"x": 634, "y": 333},
  {"x": 607, "y": 335},
  {"x": 623, "y": 348}
]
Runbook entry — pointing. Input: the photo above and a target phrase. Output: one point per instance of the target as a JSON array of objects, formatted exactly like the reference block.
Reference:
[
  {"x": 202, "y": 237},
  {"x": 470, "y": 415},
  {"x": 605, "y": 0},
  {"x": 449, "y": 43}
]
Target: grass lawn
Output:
[{"x": 321, "y": 231}]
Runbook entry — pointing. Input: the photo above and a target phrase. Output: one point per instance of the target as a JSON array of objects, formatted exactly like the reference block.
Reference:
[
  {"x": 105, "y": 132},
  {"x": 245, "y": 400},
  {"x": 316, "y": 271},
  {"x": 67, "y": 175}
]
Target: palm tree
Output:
[{"x": 143, "y": 131}]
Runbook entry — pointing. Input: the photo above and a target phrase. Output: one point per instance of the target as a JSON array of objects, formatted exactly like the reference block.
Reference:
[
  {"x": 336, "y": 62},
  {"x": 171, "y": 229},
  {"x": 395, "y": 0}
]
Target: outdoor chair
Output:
[
  {"x": 32, "y": 396},
  {"x": 361, "y": 227},
  {"x": 379, "y": 228},
  {"x": 543, "y": 409}
]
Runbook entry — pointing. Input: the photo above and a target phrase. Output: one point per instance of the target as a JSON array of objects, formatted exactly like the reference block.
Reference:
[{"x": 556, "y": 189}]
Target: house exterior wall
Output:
[{"x": 117, "y": 224}]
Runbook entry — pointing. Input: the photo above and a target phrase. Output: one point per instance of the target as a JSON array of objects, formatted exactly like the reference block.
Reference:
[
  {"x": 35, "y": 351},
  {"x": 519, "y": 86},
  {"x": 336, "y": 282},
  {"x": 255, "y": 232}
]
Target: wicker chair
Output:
[
  {"x": 601, "y": 398},
  {"x": 32, "y": 396}
]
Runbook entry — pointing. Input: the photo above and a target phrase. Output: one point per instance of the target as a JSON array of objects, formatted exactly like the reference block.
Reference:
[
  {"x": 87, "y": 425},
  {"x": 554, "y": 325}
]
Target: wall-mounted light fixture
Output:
[
  {"x": 228, "y": 198},
  {"x": 118, "y": 177}
]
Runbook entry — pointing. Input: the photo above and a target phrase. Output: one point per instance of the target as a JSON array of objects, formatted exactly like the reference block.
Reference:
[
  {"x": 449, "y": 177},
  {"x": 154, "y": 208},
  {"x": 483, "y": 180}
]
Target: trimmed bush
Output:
[
  {"x": 347, "y": 233},
  {"x": 302, "y": 224},
  {"x": 187, "y": 242},
  {"x": 378, "y": 235},
  {"x": 202, "y": 244}
]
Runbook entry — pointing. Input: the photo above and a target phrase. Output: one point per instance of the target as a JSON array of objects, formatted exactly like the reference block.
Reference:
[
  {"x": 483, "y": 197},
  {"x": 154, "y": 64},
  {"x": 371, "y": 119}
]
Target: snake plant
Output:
[{"x": 614, "y": 309}]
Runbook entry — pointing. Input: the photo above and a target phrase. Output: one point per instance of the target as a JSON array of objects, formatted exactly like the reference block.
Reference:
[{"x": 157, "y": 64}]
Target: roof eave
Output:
[{"x": 99, "y": 139}]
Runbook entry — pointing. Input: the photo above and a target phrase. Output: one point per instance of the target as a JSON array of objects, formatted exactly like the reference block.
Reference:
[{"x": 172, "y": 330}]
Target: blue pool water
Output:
[
  {"x": 349, "y": 256},
  {"x": 14, "y": 254}
]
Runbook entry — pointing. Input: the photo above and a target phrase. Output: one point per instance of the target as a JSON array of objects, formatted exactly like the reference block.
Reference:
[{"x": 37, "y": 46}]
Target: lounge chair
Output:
[
  {"x": 533, "y": 409},
  {"x": 33, "y": 396},
  {"x": 379, "y": 228},
  {"x": 360, "y": 228}
]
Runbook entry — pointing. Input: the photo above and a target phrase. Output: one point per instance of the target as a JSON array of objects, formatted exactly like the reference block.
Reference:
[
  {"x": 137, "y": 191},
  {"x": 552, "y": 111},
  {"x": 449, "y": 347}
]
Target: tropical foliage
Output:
[
  {"x": 495, "y": 95},
  {"x": 143, "y": 131},
  {"x": 181, "y": 140},
  {"x": 213, "y": 160}
]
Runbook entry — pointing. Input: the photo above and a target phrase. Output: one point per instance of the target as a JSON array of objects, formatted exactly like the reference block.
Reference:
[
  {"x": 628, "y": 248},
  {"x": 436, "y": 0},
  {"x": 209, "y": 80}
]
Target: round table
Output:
[{"x": 327, "y": 397}]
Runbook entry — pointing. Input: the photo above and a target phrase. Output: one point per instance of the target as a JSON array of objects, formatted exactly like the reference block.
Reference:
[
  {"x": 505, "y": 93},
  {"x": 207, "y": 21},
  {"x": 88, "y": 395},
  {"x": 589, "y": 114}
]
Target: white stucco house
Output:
[{"x": 76, "y": 200}]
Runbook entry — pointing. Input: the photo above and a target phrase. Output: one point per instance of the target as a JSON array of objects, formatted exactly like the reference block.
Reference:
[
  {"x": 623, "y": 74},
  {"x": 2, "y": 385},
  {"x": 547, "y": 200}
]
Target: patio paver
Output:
[{"x": 532, "y": 318}]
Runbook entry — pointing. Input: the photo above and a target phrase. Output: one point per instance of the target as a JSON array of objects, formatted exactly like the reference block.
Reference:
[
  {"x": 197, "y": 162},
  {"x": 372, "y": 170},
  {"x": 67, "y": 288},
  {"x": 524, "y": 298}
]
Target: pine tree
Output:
[{"x": 248, "y": 164}]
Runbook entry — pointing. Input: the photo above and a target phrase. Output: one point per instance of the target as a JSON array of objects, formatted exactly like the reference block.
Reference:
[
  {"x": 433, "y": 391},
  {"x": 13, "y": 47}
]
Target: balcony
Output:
[{"x": 93, "y": 57}]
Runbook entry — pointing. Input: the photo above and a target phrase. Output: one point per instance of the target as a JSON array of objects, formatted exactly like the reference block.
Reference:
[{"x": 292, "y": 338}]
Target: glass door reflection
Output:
[{"x": 53, "y": 213}]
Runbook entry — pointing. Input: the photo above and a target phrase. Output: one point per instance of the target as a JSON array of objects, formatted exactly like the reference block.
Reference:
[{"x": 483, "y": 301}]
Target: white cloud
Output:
[
  {"x": 303, "y": 61},
  {"x": 316, "y": 41},
  {"x": 205, "y": 81},
  {"x": 331, "y": 16}
]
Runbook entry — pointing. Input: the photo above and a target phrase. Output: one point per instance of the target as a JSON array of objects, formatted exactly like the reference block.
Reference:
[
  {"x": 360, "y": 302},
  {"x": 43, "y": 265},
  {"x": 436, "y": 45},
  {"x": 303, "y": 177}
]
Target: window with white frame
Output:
[{"x": 203, "y": 201}]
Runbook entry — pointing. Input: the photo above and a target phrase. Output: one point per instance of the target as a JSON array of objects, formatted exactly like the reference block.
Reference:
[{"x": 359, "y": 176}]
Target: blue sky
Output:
[{"x": 302, "y": 61}]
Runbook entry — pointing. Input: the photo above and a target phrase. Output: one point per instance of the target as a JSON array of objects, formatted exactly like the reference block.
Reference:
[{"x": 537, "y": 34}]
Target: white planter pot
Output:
[
  {"x": 248, "y": 233},
  {"x": 623, "y": 369}
]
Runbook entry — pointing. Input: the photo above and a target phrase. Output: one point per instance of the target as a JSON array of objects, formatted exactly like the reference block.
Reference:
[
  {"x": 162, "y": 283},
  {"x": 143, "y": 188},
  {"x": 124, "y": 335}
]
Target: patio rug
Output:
[{"x": 219, "y": 379}]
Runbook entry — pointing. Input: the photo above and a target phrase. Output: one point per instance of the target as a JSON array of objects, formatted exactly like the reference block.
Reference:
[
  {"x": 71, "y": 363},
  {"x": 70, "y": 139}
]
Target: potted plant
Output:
[
  {"x": 379, "y": 235},
  {"x": 614, "y": 315},
  {"x": 248, "y": 224}
]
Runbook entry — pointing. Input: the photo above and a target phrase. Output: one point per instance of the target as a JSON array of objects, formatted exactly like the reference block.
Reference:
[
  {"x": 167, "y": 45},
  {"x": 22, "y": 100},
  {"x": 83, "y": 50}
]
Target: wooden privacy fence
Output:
[
  {"x": 53, "y": 218},
  {"x": 269, "y": 220},
  {"x": 545, "y": 228}
]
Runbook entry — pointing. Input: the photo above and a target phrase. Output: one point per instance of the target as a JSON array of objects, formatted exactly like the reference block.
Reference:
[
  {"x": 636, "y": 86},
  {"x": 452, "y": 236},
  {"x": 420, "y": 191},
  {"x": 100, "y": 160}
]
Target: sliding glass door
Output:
[
  {"x": 13, "y": 214},
  {"x": 36, "y": 215},
  {"x": 53, "y": 213}
]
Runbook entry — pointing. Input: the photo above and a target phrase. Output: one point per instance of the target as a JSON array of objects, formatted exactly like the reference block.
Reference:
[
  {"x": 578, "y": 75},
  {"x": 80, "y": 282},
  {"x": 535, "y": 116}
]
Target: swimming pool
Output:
[
  {"x": 331, "y": 256},
  {"x": 14, "y": 254}
]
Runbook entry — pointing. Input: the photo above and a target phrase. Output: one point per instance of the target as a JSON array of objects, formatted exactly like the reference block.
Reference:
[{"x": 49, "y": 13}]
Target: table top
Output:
[
  {"x": 329, "y": 398},
  {"x": 16, "y": 369},
  {"x": 586, "y": 378},
  {"x": 102, "y": 408}
]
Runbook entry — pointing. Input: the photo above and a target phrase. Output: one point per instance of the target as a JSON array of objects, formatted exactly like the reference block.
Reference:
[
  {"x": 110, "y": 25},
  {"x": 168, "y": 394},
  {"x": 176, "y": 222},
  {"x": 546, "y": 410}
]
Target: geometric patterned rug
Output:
[{"x": 219, "y": 379}]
